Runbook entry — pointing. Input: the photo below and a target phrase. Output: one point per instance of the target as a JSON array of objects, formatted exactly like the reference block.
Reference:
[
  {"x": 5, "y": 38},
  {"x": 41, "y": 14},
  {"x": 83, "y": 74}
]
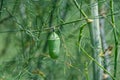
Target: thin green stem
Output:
[
  {"x": 70, "y": 22},
  {"x": 78, "y": 6},
  {"x": 1, "y": 5},
  {"x": 86, "y": 71},
  {"x": 115, "y": 38},
  {"x": 80, "y": 33},
  {"x": 112, "y": 10}
]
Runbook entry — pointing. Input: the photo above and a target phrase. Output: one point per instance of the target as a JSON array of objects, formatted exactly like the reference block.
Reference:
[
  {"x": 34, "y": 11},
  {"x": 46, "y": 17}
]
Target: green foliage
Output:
[{"x": 25, "y": 26}]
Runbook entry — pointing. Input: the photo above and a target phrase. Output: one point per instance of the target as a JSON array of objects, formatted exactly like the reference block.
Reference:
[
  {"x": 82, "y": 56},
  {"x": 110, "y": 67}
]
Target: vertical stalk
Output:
[
  {"x": 104, "y": 47},
  {"x": 115, "y": 38},
  {"x": 104, "y": 44},
  {"x": 96, "y": 41},
  {"x": 86, "y": 71},
  {"x": 1, "y": 5}
]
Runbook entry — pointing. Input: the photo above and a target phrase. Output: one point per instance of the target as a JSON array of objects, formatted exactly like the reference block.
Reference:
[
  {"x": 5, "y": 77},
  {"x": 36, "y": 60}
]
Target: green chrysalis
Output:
[{"x": 54, "y": 45}]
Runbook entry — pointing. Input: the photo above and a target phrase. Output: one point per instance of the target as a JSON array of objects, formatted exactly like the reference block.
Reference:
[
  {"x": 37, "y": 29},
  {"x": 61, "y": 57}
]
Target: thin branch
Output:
[
  {"x": 82, "y": 12},
  {"x": 115, "y": 38}
]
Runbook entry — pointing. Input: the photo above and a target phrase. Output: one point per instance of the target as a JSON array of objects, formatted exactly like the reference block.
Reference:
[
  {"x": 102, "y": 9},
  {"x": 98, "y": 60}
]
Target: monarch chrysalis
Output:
[{"x": 54, "y": 45}]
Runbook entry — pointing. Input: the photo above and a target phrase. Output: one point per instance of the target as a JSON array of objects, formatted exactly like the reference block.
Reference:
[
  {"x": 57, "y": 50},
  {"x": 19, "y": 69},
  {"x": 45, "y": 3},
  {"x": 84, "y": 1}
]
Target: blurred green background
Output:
[{"x": 24, "y": 30}]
